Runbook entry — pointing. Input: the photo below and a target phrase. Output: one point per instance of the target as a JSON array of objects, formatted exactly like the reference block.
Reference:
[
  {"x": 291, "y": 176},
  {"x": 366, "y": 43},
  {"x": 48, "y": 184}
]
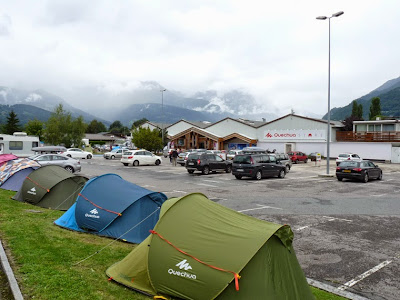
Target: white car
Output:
[
  {"x": 140, "y": 157},
  {"x": 347, "y": 156},
  {"x": 232, "y": 153},
  {"x": 77, "y": 153}
]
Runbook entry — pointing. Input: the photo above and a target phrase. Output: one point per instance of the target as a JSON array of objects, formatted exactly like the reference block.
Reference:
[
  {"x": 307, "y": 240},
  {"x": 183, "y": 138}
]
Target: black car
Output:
[
  {"x": 206, "y": 163},
  {"x": 359, "y": 170},
  {"x": 257, "y": 166}
]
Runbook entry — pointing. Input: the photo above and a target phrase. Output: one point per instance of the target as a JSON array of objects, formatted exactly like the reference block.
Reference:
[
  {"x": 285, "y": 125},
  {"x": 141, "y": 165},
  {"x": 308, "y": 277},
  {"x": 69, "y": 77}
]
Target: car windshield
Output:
[
  {"x": 34, "y": 156},
  {"x": 343, "y": 155},
  {"x": 194, "y": 156},
  {"x": 128, "y": 153},
  {"x": 242, "y": 159},
  {"x": 349, "y": 163}
]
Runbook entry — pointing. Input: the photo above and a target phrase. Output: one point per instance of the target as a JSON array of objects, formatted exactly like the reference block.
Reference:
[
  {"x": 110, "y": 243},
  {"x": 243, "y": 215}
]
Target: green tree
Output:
[
  {"x": 96, "y": 127},
  {"x": 138, "y": 123},
  {"x": 147, "y": 139},
  {"x": 34, "y": 127},
  {"x": 375, "y": 108},
  {"x": 360, "y": 112},
  {"x": 12, "y": 124},
  {"x": 118, "y": 128},
  {"x": 357, "y": 111},
  {"x": 61, "y": 129}
]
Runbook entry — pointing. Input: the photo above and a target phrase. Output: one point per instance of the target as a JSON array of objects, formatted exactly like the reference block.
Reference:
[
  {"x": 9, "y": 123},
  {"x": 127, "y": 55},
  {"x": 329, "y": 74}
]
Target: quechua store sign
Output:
[{"x": 294, "y": 135}]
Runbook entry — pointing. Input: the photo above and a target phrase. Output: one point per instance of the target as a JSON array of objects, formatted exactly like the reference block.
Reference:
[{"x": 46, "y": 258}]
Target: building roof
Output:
[
  {"x": 334, "y": 123},
  {"x": 101, "y": 137},
  {"x": 199, "y": 124}
]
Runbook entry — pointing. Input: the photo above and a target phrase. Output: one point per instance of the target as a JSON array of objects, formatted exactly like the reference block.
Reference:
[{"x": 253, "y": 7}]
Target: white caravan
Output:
[{"x": 19, "y": 144}]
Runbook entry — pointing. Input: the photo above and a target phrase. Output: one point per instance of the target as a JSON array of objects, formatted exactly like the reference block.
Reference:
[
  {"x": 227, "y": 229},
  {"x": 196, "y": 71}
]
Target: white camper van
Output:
[{"x": 19, "y": 144}]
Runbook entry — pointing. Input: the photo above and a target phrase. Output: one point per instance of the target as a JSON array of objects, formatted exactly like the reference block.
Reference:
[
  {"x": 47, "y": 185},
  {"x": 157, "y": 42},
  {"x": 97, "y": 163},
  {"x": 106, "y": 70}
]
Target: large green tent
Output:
[
  {"x": 202, "y": 250},
  {"x": 51, "y": 187}
]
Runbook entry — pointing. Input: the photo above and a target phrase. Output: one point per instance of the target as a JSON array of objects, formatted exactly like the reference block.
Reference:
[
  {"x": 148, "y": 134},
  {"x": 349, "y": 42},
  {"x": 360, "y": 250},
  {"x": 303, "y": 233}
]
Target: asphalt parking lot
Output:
[{"x": 347, "y": 234}]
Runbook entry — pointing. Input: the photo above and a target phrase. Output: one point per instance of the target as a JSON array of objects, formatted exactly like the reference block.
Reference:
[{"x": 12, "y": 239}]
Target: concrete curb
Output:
[
  {"x": 334, "y": 290},
  {"x": 10, "y": 275}
]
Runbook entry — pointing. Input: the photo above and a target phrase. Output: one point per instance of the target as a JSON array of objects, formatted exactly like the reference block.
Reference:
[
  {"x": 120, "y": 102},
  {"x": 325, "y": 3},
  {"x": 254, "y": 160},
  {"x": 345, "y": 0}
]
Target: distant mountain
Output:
[
  {"x": 389, "y": 94},
  {"x": 24, "y": 113},
  {"x": 201, "y": 106},
  {"x": 43, "y": 100}
]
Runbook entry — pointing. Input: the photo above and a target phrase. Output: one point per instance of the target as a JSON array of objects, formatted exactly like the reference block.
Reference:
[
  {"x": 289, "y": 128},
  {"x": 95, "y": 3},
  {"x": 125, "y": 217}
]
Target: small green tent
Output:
[
  {"x": 51, "y": 187},
  {"x": 202, "y": 250}
]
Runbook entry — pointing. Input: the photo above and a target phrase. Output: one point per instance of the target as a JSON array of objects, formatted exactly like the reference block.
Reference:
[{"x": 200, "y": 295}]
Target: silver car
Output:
[
  {"x": 115, "y": 154},
  {"x": 70, "y": 164}
]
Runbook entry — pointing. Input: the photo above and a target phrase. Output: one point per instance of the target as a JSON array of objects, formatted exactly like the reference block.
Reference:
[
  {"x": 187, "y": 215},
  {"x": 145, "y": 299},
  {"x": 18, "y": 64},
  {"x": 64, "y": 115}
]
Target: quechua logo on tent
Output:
[
  {"x": 92, "y": 214},
  {"x": 183, "y": 265},
  {"x": 32, "y": 191}
]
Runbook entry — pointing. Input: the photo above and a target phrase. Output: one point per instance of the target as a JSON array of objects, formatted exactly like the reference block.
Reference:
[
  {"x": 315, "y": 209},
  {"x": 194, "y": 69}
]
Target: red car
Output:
[{"x": 297, "y": 156}]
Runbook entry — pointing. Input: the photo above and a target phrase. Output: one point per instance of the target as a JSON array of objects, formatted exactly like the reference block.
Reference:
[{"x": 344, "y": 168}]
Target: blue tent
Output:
[{"x": 111, "y": 206}]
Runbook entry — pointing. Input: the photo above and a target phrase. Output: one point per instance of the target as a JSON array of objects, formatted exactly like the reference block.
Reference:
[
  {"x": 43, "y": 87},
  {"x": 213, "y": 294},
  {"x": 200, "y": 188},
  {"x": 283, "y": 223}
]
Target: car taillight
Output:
[
  {"x": 185, "y": 158},
  {"x": 251, "y": 161},
  {"x": 357, "y": 169},
  {"x": 338, "y": 169},
  {"x": 198, "y": 161},
  {"x": 130, "y": 157},
  {"x": 348, "y": 158}
]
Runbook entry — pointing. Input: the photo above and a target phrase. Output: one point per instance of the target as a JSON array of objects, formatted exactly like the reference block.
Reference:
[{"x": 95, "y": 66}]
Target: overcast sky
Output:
[{"x": 275, "y": 50}]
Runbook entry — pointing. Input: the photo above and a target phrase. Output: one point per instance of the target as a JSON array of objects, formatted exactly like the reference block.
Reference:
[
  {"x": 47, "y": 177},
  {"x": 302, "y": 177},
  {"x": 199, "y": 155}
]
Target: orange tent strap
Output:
[
  {"x": 113, "y": 212},
  {"x": 237, "y": 276},
  {"x": 48, "y": 190}
]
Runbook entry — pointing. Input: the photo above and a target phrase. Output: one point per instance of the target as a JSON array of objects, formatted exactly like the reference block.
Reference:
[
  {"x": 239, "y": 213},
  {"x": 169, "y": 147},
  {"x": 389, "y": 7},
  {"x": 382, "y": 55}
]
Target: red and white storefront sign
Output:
[{"x": 294, "y": 135}]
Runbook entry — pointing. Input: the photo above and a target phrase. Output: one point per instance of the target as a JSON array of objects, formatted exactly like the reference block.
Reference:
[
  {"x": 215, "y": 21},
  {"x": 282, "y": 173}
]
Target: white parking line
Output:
[
  {"x": 203, "y": 184},
  {"x": 212, "y": 181},
  {"x": 328, "y": 219},
  {"x": 174, "y": 191},
  {"x": 380, "y": 195},
  {"x": 262, "y": 207},
  {"x": 364, "y": 275}
]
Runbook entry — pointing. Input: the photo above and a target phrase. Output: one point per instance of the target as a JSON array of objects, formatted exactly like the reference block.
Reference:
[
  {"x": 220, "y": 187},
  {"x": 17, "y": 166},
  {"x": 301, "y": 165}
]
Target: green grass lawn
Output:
[{"x": 44, "y": 256}]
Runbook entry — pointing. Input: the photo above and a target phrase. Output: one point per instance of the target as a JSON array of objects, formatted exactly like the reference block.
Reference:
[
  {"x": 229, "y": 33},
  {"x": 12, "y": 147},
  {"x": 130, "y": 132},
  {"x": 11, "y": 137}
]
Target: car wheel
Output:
[
  {"x": 340, "y": 178},
  {"x": 228, "y": 169},
  {"x": 287, "y": 169},
  {"x": 158, "y": 162},
  {"x": 89, "y": 156},
  {"x": 306, "y": 161},
  {"x": 190, "y": 171},
  {"x": 125, "y": 164},
  {"x": 238, "y": 176},
  {"x": 135, "y": 163},
  {"x": 69, "y": 169},
  {"x": 112, "y": 157},
  {"x": 206, "y": 170},
  {"x": 365, "y": 178},
  {"x": 258, "y": 175},
  {"x": 296, "y": 161},
  {"x": 380, "y": 176},
  {"x": 282, "y": 174},
  {"x": 69, "y": 155}
]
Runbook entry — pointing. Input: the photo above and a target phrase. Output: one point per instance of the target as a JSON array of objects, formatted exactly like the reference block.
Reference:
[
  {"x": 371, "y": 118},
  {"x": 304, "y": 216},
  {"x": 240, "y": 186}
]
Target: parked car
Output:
[
  {"x": 313, "y": 156},
  {"x": 206, "y": 163},
  {"x": 283, "y": 159},
  {"x": 347, "y": 156},
  {"x": 220, "y": 153},
  {"x": 140, "y": 157},
  {"x": 297, "y": 156},
  {"x": 115, "y": 154},
  {"x": 70, "y": 164},
  {"x": 78, "y": 153},
  {"x": 257, "y": 166},
  {"x": 358, "y": 170},
  {"x": 231, "y": 154},
  {"x": 182, "y": 157}
]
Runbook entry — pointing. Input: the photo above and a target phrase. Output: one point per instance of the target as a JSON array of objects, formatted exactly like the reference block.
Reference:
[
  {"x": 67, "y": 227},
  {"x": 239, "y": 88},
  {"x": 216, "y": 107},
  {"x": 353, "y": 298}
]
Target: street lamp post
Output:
[
  {"x": 328, "y": 137},
  {"x": 162, "y": 115}
]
